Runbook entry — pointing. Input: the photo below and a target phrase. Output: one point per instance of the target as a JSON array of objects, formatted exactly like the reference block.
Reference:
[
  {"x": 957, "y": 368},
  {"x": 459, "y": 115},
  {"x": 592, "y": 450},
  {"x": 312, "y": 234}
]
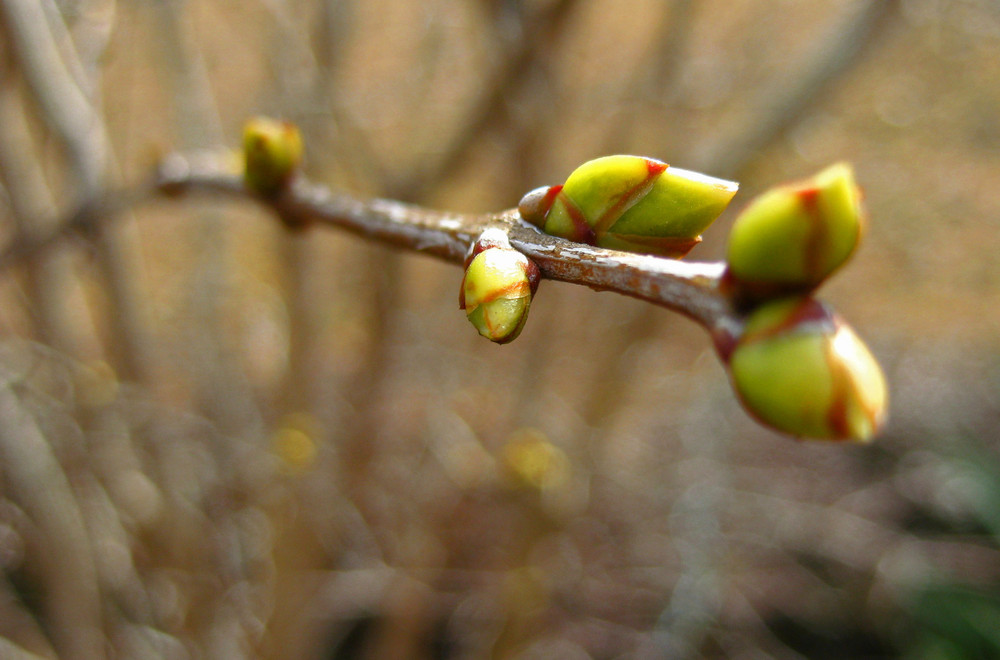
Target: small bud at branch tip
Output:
[{"x": 272, "y": 154}]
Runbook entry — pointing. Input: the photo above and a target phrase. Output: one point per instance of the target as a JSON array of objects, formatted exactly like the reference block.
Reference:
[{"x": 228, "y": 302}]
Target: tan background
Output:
[{"x": 309, "y": 451}]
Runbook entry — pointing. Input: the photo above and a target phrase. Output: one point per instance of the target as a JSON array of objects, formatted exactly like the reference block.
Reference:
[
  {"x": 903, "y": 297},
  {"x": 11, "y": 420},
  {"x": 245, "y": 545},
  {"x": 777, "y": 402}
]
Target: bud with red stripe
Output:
[
  {"x": 630, "y": 203},
  {"x": 497, "y": 287}
]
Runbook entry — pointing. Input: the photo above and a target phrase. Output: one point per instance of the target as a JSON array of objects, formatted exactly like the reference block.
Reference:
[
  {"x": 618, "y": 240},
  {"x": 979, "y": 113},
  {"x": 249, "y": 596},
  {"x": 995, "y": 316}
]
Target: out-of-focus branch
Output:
[
  {"x": 491, "y": 103},
  {"x": 12, "y": 651},
  {"x": 649, "y": 87},
  {"x": 49, "y": 280},
  {"x": 65, "y": 107},
  {"x": 221, "y": 382},
  {"x": 777, "y": 107},
  {"x": 76, "y": 122},
  {"x": 19, "y": 627},
  {"x": 690, "y": 288},
  {"x": 33, "y": 473}
]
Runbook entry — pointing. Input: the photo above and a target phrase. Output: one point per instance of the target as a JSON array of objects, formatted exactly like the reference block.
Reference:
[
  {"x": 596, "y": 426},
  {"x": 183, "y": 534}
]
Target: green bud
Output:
[
  {"x": 800, "y": 369},
  {"x": 794, "y": 236},
  {"x": 272, "y": 153},
  {"x": 497, "y": 288},
  {"x": 630, "y": 203}
]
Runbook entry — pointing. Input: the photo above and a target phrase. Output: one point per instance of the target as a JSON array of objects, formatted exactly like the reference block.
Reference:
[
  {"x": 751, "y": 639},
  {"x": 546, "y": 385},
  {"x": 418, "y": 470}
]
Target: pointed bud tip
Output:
[
  {"x": 794, "y": 236},
  {"x": 630, "y": 203}
]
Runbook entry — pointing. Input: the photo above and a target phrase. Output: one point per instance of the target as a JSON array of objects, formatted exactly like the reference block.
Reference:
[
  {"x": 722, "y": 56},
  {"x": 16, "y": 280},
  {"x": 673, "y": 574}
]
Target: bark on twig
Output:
[{"x": 690, "y": 288}]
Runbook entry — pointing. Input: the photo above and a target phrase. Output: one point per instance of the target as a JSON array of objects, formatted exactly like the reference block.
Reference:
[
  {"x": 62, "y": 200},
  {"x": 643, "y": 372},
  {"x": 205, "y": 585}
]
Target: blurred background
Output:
[{"x": 219, "y": 440}]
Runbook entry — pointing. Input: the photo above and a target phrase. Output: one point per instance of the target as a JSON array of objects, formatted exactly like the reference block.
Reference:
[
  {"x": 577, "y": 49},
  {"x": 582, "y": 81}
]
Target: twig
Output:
[
  {"x": 690, "y": 288},
  {"x": 65, "y": 107}
]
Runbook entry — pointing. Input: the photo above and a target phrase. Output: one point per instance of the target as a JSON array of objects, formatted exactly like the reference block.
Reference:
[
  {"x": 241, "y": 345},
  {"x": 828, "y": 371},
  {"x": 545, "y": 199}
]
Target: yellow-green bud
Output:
[
  {"x": 497, "y": 287},
  {"x": 800, "y": 369},
  {"x": 794, "y": 236},
  {"x": 630, "y": 203},
  {"x": 272, "y": 154}
]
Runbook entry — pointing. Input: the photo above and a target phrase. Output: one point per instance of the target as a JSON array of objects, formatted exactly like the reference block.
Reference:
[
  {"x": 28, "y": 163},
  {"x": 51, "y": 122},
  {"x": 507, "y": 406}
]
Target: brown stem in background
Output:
[
  {"x": 777, "y": 107},
  {"x": 12, "y": 651},
  {"x": 221, "y": 382},
  {"x": 50, "y": 282},
  {"x": 490, "y": 105},
  {"x": 649, "y": 87},
  {"x": 33, "y": 474},
  {"x": 74, "y": 118}
]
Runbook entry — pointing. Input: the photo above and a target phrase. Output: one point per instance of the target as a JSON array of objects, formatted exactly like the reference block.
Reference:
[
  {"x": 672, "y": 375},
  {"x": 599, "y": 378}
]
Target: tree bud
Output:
[
  {"x": 800, "y": 369},
  {"x": 497, "y": 288},
  {"x": 272, "y": 153},
  {"x": 630, "y": 203},
  {"x": 794, "y": 236}
]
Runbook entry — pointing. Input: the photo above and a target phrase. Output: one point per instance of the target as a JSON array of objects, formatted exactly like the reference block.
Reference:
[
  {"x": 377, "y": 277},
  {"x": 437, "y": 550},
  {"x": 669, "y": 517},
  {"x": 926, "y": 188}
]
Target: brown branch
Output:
[
  {"x": 690, "y": 288},
  {"x": 775, "y": 108}
]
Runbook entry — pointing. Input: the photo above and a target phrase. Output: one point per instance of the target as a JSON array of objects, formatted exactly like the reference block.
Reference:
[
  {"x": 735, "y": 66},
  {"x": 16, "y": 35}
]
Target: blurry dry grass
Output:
[{"x": 220, "y": 441}]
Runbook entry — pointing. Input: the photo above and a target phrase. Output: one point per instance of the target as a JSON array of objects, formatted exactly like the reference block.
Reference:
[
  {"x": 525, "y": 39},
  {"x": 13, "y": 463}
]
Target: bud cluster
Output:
[{"x": 794, "y": 364}]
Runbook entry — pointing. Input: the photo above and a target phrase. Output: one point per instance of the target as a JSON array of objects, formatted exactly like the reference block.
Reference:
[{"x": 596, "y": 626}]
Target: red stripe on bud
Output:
[
  {"x": 630, "y": 197},
  {"x": 582, "y": 231}
]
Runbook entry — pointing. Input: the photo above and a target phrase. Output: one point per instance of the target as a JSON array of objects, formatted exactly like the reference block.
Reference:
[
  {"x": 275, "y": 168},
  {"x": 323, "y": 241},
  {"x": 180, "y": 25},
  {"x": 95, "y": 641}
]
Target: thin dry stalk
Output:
[
  {"x": 74, "y": 119},
  {"x": 36, "y": 479}
]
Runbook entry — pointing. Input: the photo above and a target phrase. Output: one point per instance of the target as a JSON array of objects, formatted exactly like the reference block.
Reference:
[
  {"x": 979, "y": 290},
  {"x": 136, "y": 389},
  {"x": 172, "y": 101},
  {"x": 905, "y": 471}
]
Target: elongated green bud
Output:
[
  {"x": 630, "y": 203},
  {"x": 272, "y": 153},
  {"x": 497, "y": 288},
  {"x": 793, "y": 237},
  {"x": 799, "y": 368}
]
